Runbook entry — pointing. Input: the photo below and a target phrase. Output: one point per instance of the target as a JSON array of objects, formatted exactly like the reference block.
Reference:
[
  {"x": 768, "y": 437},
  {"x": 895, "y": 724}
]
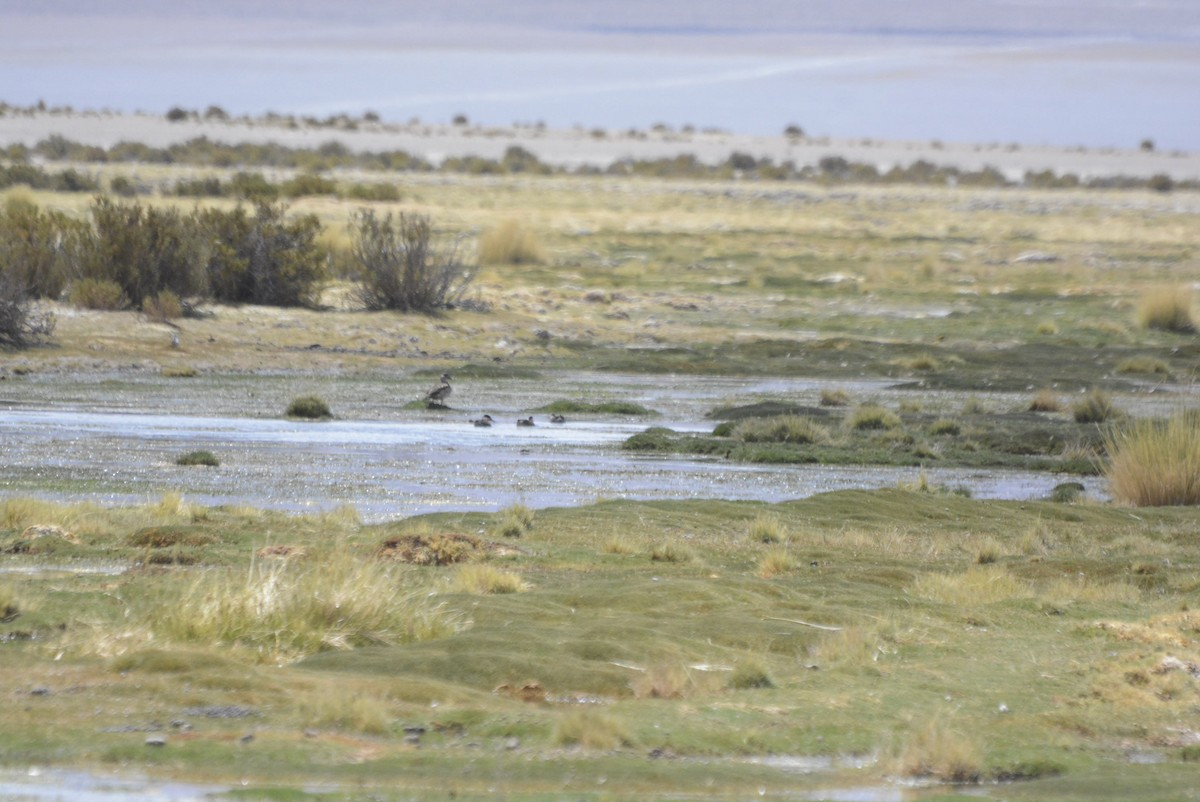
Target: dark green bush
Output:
[
  {"x": 307, "y": 184},
  {"x": 264, "y": 259},
  {"x": 144, "y": 250},
  {"x": 40, "y": 250}
]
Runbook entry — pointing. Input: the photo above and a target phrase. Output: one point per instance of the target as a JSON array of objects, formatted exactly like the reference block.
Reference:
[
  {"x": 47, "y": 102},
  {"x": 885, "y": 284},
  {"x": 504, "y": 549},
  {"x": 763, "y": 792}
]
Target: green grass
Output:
[
  {"x": 565, "y": 406},
  {"x": 893, "y": 624}
]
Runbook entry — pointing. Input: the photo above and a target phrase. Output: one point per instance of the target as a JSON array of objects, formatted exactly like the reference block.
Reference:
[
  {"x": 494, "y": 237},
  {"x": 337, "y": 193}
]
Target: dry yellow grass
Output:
[
  {"x": 1167, "y": 308},
  {"x": 1155, "y": 463}
]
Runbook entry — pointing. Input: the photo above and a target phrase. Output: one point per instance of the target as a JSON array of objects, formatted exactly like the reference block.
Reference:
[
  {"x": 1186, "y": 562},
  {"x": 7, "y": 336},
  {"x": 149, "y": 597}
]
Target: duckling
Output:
[
  {"x": 483, "y": 422},
  {"x": 439, "y": 394},
  {"x": 556, "y": 418},
  {"x": 525, "y": 421}
]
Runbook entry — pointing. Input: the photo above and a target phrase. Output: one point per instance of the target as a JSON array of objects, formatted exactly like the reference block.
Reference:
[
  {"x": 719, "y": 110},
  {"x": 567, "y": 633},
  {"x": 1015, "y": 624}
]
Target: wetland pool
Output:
[{"x": 60, "y": 444}]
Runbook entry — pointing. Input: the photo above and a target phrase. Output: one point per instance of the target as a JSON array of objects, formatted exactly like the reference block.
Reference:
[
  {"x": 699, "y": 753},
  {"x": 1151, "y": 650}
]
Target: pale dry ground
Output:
[{"x": 577, "y": 147}]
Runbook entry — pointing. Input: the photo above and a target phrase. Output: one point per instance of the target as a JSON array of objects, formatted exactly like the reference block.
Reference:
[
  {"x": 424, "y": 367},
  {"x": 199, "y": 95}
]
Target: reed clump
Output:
[{"x": 510, "y": 243}]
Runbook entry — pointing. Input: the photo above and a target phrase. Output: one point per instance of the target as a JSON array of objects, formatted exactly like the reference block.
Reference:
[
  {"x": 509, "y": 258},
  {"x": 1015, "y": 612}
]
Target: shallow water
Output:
[{"x": 389, "y": 463}]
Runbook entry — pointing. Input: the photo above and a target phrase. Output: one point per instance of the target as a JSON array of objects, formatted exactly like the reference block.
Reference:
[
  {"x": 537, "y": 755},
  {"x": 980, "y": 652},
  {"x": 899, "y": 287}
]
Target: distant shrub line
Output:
[{"x": 204, "y": 152}]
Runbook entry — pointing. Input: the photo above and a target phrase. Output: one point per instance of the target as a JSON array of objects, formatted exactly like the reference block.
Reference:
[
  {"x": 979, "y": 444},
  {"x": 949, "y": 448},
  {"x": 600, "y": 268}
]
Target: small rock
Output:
[
  {"x": 1035, "y": 257},
  {"x": 512, "y": 743},
  {"x": 247, "y": 738},
  {"x": 156, "y": 740}
]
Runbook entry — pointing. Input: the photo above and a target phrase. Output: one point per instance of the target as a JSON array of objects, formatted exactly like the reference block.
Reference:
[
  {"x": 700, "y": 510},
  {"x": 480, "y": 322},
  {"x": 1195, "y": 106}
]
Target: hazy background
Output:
[{"x": 1072, "y": 72}]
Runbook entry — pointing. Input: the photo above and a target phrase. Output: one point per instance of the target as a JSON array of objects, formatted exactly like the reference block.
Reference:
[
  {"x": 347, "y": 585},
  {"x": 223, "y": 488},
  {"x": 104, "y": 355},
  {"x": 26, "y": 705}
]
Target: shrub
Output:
[
  {"x": 1095, "y": 407},
  {"x": 372, "y": 192},
  {"x": 163, "y": 307},
  {"x": 1168, "y": 309},
  {"x": 510, "y": 243},
  {"x": 20, "y": 324},
  {"x": 590, "y": 729},
  {"x": 401, "y": 268},
  {"x": 40, "y": 250},
  {"x": 253, "y": 187},
  {"x": 144, "y": 250},
  {"x": 95, "y": 293},
  {"x": 1156, "y": 463},
  {"x": 264, "y": 259},
  {"x": 872, "y": 416},
  {"x": 307, "y": 184},
  {"x": 310, "y": 407},
  {"x": 935, "y": 750},
  {"x": 670, "y": 553},
  {"x": 206, "y": 458}
]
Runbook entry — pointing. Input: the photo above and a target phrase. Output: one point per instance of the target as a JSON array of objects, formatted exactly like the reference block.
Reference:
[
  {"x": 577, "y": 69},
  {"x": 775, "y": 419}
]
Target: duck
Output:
[
  {"x": 525, "y": 421},
  {"x": 439, "y": 394},
  {"x": 483, "y": 422},
  {"x": 556, "y": 418}
]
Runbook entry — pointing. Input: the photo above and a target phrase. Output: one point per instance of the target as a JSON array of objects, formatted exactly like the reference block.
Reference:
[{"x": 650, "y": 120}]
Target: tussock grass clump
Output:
[
  {"x": 936, "y": 750},
  {"x": 872, "y": 416},
  {"x": 750, "y": 673},
  {"x": 1144, "y": 365},
  {"x": 671, "y": 553},
  {"x": 1095, "y": 407},
  {"x": 984, "y": 584},
  {"x": 515, "y": 521},
  {"x": 483, "y": 580},
  {"x": 309, "y": 407},
  {"x": 619, "y": 544},
  {"x": 944, "y": 426},
  {"x": 510, "y": 243},
  {"x": 11, "y": 603},
  {"x": 1045, "y": 400},
  {"x": 666, "y": 680},
  {"x": 924, "y": 363},
  {"x": 198, "y": 458},
  {"x": 781, "y": 429},
  {"x": 1167, "y": 309},
  {"x": 590, "y": 729},
  {"x": 988, "y": 551},
  {"x": 1046, "y": 328},
  {"x": 98, "y": 294},
  {"x": 834, "y": 397},
  {"x": 289, "y": 609},
  {"x": 565, "y": 406},
  {"x": 775, "y": 562},
  {"x": 345, "y": 711},
  {"x": 1155, "y": 463},
  {"x": 974, "y": 406},
  {"x": 179, "y": 372},
  {"x": 767, "y": 528}
]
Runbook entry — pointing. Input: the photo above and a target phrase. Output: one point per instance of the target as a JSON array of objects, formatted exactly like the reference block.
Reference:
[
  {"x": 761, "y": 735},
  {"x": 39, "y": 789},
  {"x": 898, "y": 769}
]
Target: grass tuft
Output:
[
  {"x": 1167, "y": 309},
  {"x": 767, "y": 528},
  {"x": 590, "y": 729},
  {"x": 781, "y": 429},
  {"x": 483, "y": 580},
  {"x": 775, "y": 562},
  {"x": 935, "y": 750},
  {"x": 1095, "y": 407},
  {"x": 288, "y": 609},
  {"x": 1045, "y": 400},
  {"x": 872, "y": 416},
  {"x": 198, "y": 458},
  {"x": 834, "y": 397},
  {"x": 1155, "y": 463},
  {"x": 750, "y": 673},
  {"x": 516, "y": 520},
  {"x": 309, "y": 407},
  {"x": 510, "y": 243}
]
